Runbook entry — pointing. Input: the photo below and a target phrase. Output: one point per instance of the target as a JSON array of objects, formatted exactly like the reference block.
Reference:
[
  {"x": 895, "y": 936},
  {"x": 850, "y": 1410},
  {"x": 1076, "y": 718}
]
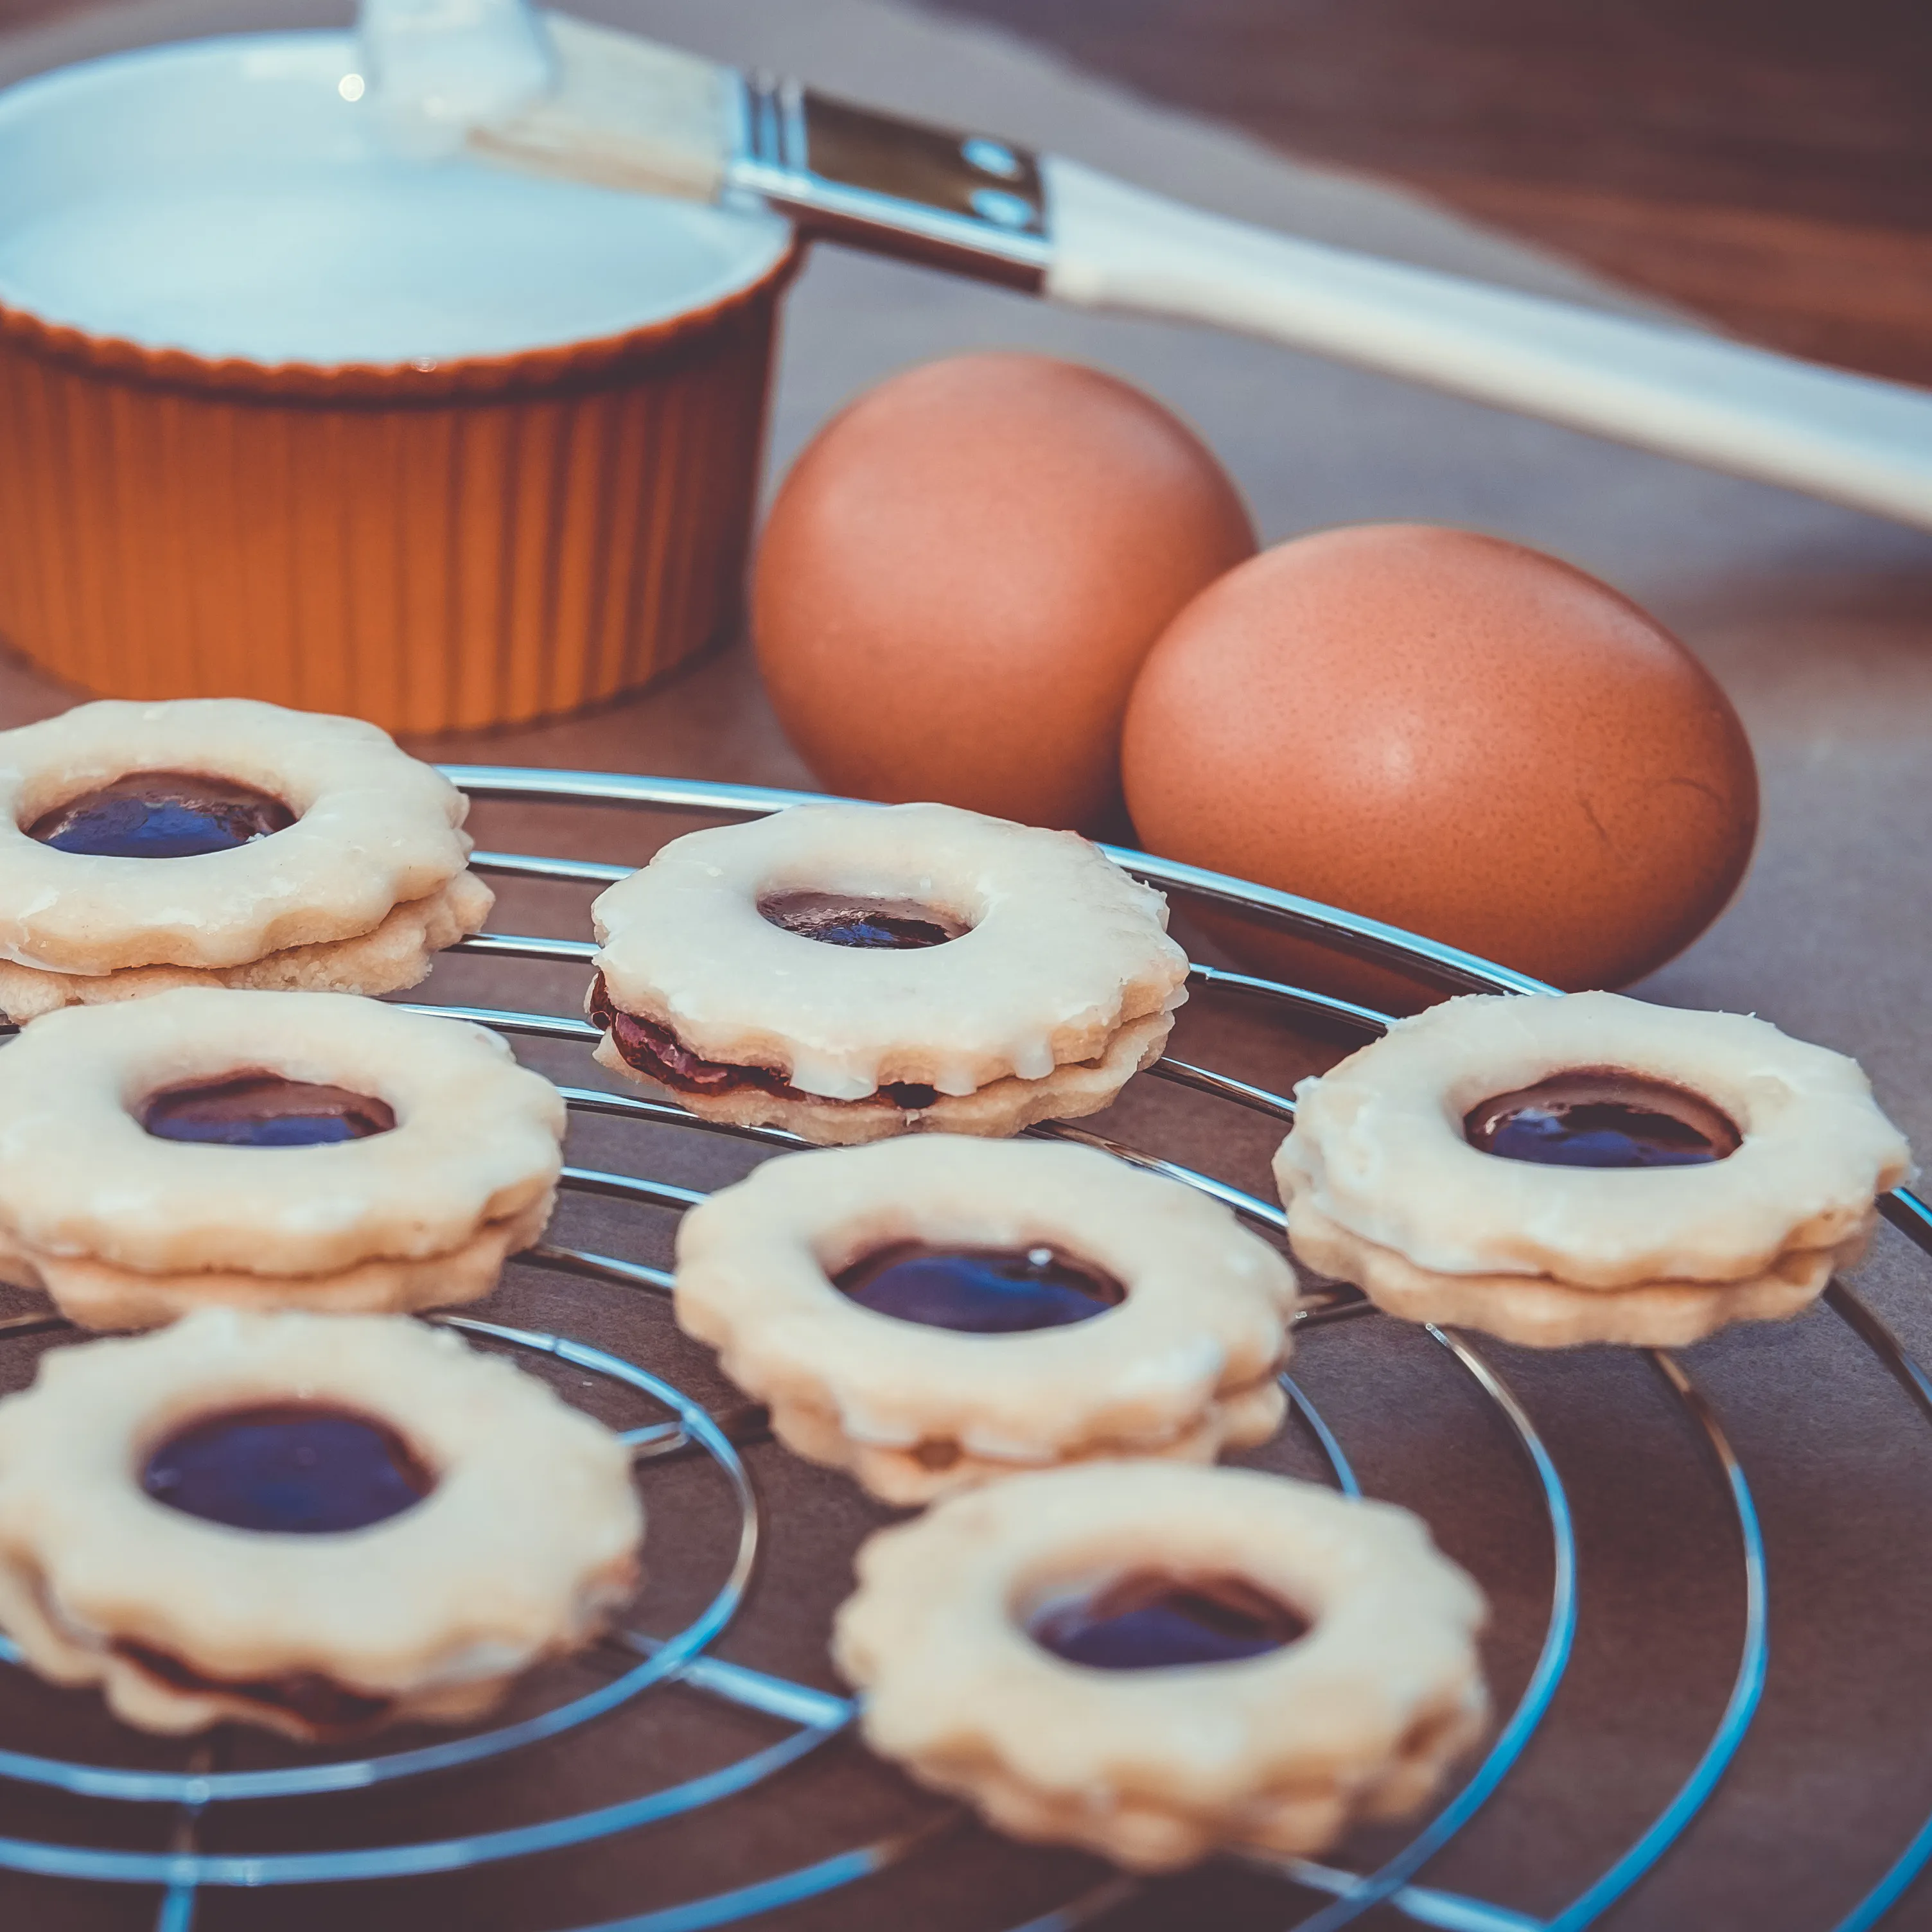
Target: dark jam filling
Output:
[
  {"x": 162, "y": 815},
  {"x": 327, "y": 1708},
  {"x": 898, "y": 926},
  {"x": 288, "y": 1469},
  {"x": 657, "y": 1052},
  {"x": 1153, "y": 1622},
  {"x": 263, "y": 1110},
  {"x": 980, "y": 1291},
  {"x": 1599, "y": 1117}
]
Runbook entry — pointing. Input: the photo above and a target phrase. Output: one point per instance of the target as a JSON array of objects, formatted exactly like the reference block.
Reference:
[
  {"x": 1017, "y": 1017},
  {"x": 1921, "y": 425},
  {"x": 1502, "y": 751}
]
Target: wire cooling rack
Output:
[{"x": 1324, "y": 1896}]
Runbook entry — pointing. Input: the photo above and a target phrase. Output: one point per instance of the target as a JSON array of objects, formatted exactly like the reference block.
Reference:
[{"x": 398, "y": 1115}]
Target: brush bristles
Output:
[{"x": 625, "y": 113}]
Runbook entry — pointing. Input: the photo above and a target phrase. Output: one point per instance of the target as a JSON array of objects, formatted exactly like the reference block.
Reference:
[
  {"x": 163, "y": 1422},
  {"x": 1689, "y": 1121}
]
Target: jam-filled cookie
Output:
[
  {"x": 850, "y": 972},
  {"x": 316, "y": 1524},
  {"x": 270, "y": 1150},
  {"x": 1155, "y": 1662},
  {"x": 222, "y": 841},
  {"x": 933, "y": 1312},
  {"x": 1586, "y": 1168}
]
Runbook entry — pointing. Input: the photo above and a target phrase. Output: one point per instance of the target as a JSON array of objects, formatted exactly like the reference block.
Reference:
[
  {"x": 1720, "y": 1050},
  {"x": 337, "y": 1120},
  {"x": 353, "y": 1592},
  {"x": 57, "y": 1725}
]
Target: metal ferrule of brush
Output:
[{"x": 966, "y": 203}]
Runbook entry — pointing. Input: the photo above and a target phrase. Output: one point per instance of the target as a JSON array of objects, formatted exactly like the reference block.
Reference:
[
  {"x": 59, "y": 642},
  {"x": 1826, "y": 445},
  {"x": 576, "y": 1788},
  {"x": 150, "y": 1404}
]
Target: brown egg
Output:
[
  {"x": 1453, "y": 733},
  {"x": 962, "y": 574}
]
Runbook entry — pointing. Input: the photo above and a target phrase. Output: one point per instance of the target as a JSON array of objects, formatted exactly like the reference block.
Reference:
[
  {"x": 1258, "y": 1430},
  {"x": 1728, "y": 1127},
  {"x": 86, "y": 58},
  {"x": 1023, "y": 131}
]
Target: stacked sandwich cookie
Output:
[
  {"x": 851, "y": 972},
  {"x": 1587, "y": 1168},
  {"x": 219, "y": 841}
]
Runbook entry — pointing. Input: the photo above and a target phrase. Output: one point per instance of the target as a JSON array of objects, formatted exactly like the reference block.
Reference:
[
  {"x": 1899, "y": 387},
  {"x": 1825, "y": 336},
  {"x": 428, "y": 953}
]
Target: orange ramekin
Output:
[{"x": 434, "y": 544}]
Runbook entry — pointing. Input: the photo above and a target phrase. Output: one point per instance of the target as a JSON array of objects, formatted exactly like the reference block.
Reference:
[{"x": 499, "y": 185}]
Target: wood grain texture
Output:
[{"x": 1764, "y": 165}]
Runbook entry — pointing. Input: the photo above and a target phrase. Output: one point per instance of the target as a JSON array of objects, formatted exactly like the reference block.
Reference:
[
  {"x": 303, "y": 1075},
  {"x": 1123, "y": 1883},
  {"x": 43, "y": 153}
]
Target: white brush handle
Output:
[{"x": 1851, "y": 439}]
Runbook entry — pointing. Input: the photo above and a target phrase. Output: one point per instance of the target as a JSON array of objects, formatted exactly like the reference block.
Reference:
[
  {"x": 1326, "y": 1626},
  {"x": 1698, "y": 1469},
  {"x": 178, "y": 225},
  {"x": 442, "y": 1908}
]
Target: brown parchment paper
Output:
[{"x": 1816, "y": 619}]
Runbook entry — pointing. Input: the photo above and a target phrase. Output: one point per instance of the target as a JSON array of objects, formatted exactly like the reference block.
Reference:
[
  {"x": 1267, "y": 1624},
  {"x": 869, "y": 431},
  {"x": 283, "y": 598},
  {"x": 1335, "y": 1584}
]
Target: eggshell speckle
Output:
[
  {"x": 1452, "y": 733},
  {"x": 962, "y": 575}
]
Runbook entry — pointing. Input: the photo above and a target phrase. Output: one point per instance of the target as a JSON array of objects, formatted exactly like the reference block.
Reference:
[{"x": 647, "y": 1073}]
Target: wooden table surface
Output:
[{"x": 1764, "y": 163}]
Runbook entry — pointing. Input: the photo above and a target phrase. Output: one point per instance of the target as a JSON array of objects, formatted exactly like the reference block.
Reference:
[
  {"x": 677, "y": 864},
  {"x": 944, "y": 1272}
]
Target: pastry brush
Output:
[{"x": 629, "y": 113}]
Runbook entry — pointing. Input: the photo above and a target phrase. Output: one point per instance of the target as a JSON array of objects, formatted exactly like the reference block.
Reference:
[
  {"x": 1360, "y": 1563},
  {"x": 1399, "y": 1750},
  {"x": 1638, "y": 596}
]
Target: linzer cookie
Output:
[
  {"x": 851, "y": 972},
  {"x": 933, "y": 1312},
  {"x": 1155, "y": 1662},
  {"x": 1587, "y": 1168},
  {"x": 268, "y": 1150},
  {"x": 221, "y": 841},
  {"x": 316, "y": 1524}
]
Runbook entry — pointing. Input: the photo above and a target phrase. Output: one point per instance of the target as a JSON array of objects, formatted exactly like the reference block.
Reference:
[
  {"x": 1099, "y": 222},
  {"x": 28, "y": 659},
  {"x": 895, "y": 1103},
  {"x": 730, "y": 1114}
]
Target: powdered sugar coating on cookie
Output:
[
  {"x": 373, "y": 828},
  {"x": 1383, "y": 1187},
  {"x": 1184, "y": 1366},
  {"x": 119, "y": 1226},
  {"x": 1063, "y": 948},
  {"x": 1156, "y": 1768},
  {"x": 524, "y": 1548}
]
